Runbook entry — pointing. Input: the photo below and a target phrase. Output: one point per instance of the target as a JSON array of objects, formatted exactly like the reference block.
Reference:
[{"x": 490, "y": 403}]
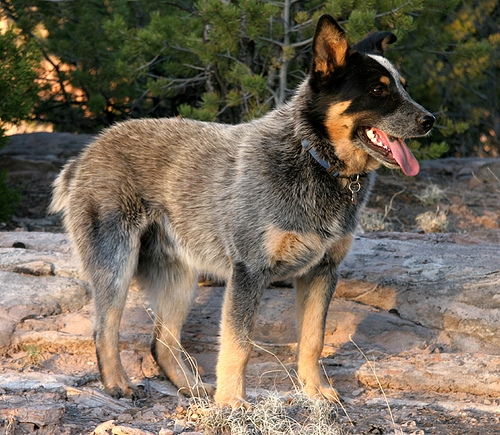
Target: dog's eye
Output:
[{"x": 378, "y": 91}]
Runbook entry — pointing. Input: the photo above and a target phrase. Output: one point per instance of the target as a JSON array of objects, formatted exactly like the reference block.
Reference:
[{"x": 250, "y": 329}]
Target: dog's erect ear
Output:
[
  {"x": 330, "y": 46},
  {"x": 376, "y": 43}
]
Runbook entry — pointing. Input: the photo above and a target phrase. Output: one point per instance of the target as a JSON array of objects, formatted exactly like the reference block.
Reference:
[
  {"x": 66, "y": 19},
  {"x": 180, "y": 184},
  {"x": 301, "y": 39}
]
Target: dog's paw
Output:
[
  {"x": 231, "y": 401},
  {"x": 128, "y": 390},
  {"x": 323, "y": 391},
  {"x": 201, "y": 389}
]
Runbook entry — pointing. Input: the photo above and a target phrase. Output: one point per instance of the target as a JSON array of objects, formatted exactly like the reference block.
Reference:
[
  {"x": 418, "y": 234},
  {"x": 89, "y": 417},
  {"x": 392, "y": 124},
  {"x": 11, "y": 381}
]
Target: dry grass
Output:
[
  {"x": 432, "y": 222},
  {"x": 431, "y": 195},
  {"x": 371, "y": 220},
  {"x": 271, "y": 415},
  {"x": 374, "y": 221}
]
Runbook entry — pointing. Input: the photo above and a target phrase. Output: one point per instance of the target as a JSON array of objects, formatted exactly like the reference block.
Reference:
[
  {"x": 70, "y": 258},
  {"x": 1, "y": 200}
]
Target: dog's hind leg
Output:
[
  {"x": 243, "y": 295},
  {"x": 110, "y": 261},
  {"x": 171, "y": 287},
  {"x": 173, "y": 300}
]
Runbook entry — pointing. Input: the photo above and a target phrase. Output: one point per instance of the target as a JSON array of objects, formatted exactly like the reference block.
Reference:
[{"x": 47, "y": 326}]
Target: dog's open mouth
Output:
[{"x": 391, "y": 149}]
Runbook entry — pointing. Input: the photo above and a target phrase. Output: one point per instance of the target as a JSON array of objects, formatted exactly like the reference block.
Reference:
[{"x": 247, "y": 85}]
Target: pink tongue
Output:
[{"x": 402, "y": 154}]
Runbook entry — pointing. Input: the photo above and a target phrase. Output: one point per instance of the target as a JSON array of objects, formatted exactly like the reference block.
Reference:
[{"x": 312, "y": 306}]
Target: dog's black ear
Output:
[
  {"x": 330, "y": 46},
  {"x": 376, "y": 43}
]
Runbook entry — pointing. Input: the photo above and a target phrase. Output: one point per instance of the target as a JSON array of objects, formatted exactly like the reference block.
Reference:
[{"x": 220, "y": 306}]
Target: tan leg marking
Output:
[
  {"x": 115, "y": 381},
  {"x": 311, "y": 307},
  {"x": 231, "y": 365},
  {"x": 340, "y": 249},
  {"x": 172, "y": 358}
]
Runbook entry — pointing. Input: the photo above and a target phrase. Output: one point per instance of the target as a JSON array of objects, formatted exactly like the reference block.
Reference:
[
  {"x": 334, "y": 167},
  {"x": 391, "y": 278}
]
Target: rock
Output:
[
  {"x": 488, "y": 173},
  {"x": 53, "y": 341},
  {"x": 37, "y": 409},
  {"x": 36, "y": 241},
  {"x": 52, "y": 148},
  {"x": 104, "y": 428},
  {"x": 91, "y": 398},
  {"x": 37, "y": 253},
  {"x": 33, "y": 162},
  {"x": 399, "y": 294},
  {"x": 460, "y": 168},
  {"x": 33, "y": 381},
  {"x": 23, "y": 296},
  {"x": 437, "y": 281},
  {"x": 37, "y": 279},
  {"x": 123, "y": 430},
  {"x": 478, "y": 374}
]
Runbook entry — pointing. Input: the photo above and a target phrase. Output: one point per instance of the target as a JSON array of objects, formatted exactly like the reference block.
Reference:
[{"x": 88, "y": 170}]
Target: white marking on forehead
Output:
[{"x": 390, "y": 68}]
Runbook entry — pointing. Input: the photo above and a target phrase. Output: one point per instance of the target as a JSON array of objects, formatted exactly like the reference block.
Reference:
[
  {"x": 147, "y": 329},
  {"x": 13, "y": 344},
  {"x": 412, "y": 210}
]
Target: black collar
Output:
[{"x": 354, "y": 185}]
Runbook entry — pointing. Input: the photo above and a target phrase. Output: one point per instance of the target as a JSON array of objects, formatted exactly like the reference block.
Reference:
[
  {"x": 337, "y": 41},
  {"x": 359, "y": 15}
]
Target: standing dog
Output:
[{"x": 280, "y": 197}]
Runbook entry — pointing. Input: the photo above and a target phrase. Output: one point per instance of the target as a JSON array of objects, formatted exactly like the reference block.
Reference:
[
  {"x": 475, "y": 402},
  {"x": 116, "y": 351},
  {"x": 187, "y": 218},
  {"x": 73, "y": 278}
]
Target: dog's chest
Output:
[{"x": 292, "y": 253}]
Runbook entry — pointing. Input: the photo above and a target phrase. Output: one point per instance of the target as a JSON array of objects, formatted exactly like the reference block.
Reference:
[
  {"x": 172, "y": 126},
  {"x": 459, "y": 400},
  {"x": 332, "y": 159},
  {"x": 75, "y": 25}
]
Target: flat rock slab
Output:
[
  {"x": 478, "y": 374},
  {"x": 35, "y": 409},
  {"x": 442, "y": 282}
]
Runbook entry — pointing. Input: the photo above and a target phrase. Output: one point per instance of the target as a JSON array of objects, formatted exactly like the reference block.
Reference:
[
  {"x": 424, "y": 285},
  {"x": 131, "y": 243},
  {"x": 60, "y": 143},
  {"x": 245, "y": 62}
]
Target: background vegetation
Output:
[
  {"x": 18, "y": 93},
  {"x": 230, "y": 61},
  {"x": 98, "y": 62}
]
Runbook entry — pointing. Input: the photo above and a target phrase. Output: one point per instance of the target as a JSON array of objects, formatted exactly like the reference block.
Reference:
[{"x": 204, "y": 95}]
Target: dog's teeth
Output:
[
  {"x": 370, "y": 135},
  {"x": 374, "y": 138}
]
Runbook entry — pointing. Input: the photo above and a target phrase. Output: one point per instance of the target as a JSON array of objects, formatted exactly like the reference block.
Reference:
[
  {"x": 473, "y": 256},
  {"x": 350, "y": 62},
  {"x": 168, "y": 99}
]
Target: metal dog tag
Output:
[{"x": 354, "y": 187}]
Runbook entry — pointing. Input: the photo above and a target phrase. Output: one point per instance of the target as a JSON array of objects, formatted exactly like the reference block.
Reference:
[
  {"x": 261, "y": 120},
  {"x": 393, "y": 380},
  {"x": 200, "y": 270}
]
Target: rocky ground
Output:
[{"x": 412, "y": 337}]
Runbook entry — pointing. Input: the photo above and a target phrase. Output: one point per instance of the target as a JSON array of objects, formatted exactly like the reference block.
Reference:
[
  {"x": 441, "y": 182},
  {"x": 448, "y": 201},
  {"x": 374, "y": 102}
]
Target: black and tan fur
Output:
[{"x": 163, "y": 199}]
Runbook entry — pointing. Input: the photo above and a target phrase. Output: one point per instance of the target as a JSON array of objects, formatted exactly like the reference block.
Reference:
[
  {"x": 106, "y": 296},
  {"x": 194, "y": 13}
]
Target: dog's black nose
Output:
[{"x": 427, "y": 121}]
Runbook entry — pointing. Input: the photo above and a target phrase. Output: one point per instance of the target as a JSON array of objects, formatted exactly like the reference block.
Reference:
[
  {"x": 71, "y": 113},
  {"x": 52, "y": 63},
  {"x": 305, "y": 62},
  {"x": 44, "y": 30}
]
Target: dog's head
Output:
[{"x": 360, "y": 101}]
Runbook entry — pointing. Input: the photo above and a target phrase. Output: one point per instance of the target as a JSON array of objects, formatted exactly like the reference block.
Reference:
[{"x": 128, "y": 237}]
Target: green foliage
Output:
[
  {"x": 18, "y": 94},
  {"x": 9, "y": 198},
  {"x": 207, "y": 111},
  {"x": 429, "y": 152},
  {"x": 452, "y": 63}
]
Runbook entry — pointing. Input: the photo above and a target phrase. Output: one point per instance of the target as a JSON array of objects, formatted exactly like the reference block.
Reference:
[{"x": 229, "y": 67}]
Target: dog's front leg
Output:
[
  {"x": 243, "y": 295},
  {"x": 314, "y": 293}
]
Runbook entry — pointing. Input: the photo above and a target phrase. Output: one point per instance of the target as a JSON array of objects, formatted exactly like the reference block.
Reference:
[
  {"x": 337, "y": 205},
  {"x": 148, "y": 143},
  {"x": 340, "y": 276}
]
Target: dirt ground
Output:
[{"x": 455, "y": 196}]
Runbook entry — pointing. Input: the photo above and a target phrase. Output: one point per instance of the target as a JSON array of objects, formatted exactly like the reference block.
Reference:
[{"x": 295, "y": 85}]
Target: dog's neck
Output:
[
  {"x": 352, "y": 181},
  {"x": 334, "y": 172}
]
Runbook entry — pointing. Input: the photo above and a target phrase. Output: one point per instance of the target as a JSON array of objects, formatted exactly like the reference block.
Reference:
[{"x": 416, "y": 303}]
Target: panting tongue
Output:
[{"x": 401, "y": 153}]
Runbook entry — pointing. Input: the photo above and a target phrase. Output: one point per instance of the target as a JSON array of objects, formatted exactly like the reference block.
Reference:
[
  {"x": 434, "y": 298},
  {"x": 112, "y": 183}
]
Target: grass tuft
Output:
[
  {"x": 271, "y": 414},
  {"x": 371, "y": 221},
  {"x": 34, "y": 356},
  {"x": 432, "y": 222},
  {"x": 431, "y": 195}
]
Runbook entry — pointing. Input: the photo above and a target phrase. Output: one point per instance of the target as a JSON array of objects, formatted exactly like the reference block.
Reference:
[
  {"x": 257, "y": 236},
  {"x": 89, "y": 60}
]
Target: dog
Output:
[{"x": 161, "y": 200}]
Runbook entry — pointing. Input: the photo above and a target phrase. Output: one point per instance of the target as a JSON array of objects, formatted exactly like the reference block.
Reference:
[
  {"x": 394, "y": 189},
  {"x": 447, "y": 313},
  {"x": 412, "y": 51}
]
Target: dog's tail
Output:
[{"x": 60, "y": 193}]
